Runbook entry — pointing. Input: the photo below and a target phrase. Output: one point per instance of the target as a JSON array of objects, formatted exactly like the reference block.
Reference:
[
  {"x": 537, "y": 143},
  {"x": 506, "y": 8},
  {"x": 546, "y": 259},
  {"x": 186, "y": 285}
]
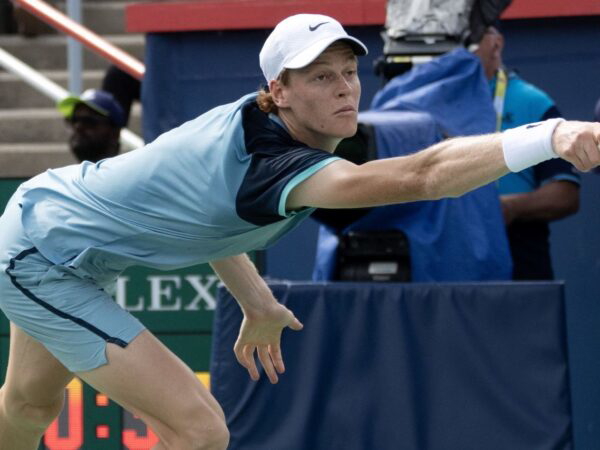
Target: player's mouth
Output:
[{"x": 348, "y": 109}]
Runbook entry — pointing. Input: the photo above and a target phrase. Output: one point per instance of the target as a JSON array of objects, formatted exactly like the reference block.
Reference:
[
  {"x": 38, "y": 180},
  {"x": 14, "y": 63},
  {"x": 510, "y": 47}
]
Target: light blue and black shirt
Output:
[{"x": 214, "y": 187}]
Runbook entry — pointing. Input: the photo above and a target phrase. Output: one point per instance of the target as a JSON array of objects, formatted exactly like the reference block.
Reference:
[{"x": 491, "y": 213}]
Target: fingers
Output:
[
  {"x": 588, "y": 153},
  {"x": 277, "y": 358},
  {"x": 272, "y": 361},
  {"x": 580, "y": 145},
  {"x": 296, "y": 325},
  {"x": 265, "y": 360},
  {"x": 592, "y": 149},
  {"x": 245, "y": 356},
  {"x": 578, "y": 162},
  {"x": 269, "y": 356},
  {"x": 251, "y": 364},
  {"x": 264, "y": 338}
]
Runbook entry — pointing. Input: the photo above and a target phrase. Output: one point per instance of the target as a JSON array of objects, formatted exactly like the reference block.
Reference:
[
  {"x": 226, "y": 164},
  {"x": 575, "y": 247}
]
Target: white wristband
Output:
[{"x": 528, "y": 145}]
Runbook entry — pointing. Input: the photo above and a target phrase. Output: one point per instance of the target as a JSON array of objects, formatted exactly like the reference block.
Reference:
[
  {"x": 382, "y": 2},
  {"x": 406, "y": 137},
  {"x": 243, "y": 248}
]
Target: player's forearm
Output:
[
  {"x": 447, "y": 169},
  {"x": 456, "y": 166},
  {"x": 241, "y": 278}
]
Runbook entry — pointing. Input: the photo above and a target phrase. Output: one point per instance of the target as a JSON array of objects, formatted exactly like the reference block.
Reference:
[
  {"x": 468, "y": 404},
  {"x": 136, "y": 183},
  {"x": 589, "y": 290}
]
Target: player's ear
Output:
[{"x": 278, "y": 93}]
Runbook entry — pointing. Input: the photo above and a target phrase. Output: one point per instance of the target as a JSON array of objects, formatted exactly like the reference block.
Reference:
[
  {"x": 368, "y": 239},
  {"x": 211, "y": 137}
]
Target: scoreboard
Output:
[
  {"x": 177, "y": 306},
  {"x": 90, "y": 420}
]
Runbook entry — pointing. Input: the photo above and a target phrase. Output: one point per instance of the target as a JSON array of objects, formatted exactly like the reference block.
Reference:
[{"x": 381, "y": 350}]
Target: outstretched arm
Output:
[
  {"x": 264, "y": 318},
  {"x": 447, "y": 169}
]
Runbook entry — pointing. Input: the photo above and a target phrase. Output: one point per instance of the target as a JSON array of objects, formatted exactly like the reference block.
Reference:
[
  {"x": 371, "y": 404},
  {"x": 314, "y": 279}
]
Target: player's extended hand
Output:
[
  {"x": 261, "y": 332},
  {"x": 578, "y": 143}
]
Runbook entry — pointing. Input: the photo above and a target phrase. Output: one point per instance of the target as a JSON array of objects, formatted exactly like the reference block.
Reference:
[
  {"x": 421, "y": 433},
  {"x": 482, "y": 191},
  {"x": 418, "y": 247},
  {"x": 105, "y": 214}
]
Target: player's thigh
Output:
[
  {"x": 33, "y": 376},
  {"x": 149, "y": 380}
]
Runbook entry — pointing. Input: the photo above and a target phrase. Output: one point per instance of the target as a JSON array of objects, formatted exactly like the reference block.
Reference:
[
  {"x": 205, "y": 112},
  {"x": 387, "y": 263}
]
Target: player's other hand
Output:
[
  {"x": 261, "y": 333},
  {"x": 578, "y": 143}
]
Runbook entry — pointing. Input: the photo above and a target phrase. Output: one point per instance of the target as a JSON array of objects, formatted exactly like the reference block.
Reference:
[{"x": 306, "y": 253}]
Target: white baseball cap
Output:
[{"x": 298, "y": 40}]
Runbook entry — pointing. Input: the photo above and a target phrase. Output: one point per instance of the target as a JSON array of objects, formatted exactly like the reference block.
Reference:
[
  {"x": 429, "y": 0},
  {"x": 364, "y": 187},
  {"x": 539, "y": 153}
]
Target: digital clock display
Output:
[{"x": 70, "y": 431}]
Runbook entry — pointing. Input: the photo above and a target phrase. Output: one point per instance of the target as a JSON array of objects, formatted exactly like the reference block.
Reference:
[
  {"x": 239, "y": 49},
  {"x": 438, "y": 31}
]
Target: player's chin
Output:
[{"x": 346, "y": 128}]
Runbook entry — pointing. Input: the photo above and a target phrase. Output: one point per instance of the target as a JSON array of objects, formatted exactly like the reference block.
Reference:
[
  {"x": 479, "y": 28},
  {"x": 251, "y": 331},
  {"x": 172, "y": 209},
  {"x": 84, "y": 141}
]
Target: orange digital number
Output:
[
  {"x": 70, "y": 419},
  {"x": 66, "y": 432},
  {"x": 142, "y": 438}
]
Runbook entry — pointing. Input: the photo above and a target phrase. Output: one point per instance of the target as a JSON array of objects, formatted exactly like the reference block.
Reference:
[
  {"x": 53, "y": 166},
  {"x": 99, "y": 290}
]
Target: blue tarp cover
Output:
[{"x": 404, "y": 366}]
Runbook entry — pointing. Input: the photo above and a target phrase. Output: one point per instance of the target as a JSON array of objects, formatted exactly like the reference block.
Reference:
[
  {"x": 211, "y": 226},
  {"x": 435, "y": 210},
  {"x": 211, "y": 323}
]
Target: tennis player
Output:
[{"x": 232, "y": 180}]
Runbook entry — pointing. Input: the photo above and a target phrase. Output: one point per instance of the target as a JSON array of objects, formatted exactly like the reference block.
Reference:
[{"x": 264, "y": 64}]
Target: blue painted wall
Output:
[
  {"x": 189, "y": 73},
  {"x": 563, "y": 58}
]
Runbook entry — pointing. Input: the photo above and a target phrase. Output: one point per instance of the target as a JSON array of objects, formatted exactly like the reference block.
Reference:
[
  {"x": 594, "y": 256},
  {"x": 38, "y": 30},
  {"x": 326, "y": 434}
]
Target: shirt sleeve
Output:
[
  {"x": 270, "y": 178},
  {"x": 555, "y": 170}
]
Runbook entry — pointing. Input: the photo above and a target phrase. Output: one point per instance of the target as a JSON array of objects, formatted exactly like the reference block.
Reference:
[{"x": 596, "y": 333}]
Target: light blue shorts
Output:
[{"x": 72, "y": 316}]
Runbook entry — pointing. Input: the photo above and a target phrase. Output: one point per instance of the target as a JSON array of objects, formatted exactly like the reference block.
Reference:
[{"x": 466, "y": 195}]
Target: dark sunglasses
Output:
[{"x": 88, "y": 121}]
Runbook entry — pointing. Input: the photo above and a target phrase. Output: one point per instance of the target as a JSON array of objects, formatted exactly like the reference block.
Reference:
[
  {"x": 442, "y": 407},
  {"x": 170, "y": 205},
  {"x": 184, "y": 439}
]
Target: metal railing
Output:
[
  {"x": 97, "y": 44},
  {"x": 91, "y": 40},
  {"x": 54, "y": 91},
  {"x": 74, "y": 50}
]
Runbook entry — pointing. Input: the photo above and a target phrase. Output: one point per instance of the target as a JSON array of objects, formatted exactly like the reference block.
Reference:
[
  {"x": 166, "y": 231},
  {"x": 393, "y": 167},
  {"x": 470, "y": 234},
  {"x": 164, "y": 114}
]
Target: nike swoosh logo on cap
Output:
[
  {"x": 533, "y": 125},
  {"x": 314, "y": 27}
]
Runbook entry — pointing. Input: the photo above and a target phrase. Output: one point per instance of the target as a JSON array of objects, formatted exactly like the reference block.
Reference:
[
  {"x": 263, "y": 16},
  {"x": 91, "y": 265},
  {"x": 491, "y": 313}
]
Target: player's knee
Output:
[
  {"x": 212, "y": 436},
  {"x": 24, "y": 412},
  {"x": 204, "y": 432}
]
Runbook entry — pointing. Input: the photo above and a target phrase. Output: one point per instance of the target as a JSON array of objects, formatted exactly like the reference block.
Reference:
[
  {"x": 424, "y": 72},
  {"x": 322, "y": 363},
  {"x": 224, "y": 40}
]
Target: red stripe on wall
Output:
[
  {"x": 529, "y": 9},
  {"x": 242, "y": 14},
  {"x": 264, "y": 14}
]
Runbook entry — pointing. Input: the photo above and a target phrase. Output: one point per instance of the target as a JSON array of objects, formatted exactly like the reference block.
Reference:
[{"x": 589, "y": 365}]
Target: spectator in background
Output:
[
  {"x": 95, "y": 119},
  {"x": 124, "y": 88},
  {"x": 540, "y": 194}
]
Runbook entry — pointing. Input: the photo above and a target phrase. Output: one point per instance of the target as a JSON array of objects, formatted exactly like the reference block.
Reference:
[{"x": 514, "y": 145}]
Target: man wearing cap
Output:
[
  {"x": 537, "y": 195},
  {"x": 95, "y": 119},
  {"x": 232, "y": 180}
]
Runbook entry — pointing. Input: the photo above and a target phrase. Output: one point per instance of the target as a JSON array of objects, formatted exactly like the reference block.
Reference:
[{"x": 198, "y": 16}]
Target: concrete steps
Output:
[
  {"x": 33, "y": 135},
  {"x": 31, "y": 125},
  {"x": 49, "y": 52},
  {"x": 13, "y": 91},
  {"x": 108, "y": 16},
  {"x": 24, "y": 125}
]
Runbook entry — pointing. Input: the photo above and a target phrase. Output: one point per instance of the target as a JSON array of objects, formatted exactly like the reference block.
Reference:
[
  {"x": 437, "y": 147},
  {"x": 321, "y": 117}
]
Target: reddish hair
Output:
[{"x": 265, "y": 98}]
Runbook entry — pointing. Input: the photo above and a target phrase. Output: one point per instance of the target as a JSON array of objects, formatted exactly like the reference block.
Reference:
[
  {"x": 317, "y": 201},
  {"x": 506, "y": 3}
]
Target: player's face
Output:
[{"x": 320, "y": 101}]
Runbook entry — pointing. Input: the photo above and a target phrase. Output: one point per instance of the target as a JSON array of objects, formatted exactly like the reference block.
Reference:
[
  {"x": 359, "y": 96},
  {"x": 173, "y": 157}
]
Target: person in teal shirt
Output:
[{"x": 533, "y": 197}]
